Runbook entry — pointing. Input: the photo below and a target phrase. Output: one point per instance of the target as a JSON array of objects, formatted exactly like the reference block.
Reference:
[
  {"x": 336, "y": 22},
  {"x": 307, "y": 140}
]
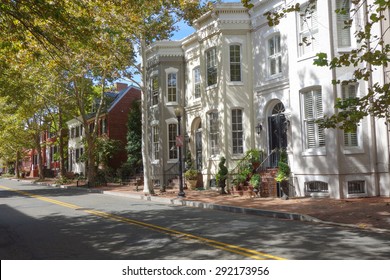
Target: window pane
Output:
[
  {"x": 172, "y": 87},
  {"x": 237, "y": 132},
  {"x": 313, "y": 112},
  {"x": 172, "y": 133},
  {"x": 235, "y": 63},
  {"x": 214, "y": 133},
  {"x": 343, "y": 29},
  {"x": 211, "y": 65}
]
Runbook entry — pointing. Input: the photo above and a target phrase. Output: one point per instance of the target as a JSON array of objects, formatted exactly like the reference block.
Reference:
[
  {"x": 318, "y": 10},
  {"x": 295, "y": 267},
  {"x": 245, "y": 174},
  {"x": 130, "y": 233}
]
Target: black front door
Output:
[
  {"x": 198, "y": 149},
  {"x": 277, "y": 127}
]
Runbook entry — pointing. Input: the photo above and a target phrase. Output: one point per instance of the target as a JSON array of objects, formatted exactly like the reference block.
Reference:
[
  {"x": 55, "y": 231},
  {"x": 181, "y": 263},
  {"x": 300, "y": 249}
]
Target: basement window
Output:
[
  {"x": 356, "y": 187},
  {"x": 316, "y": 187}
]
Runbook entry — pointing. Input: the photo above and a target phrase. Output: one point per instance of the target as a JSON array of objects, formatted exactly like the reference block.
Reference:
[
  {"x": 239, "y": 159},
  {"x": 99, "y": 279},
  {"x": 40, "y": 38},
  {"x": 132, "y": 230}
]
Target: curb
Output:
[
  {"x": 242, "y": 210},
  {"x": 226, "y": 208}
]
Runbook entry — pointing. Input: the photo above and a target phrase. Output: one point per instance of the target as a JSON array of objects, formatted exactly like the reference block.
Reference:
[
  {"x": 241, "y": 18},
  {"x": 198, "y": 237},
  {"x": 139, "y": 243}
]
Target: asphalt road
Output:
[{"x": 38, "y": 222}]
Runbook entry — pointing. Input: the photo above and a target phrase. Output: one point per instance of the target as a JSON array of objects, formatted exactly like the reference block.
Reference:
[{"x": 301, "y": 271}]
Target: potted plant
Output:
[
  {"x": 191, "y": 176},
  {"x": 283, "y": 174},
  {"x": 222, "y": 175},
  {"x": 254, "y": 157},
  {"x": 255, "y": 182}
]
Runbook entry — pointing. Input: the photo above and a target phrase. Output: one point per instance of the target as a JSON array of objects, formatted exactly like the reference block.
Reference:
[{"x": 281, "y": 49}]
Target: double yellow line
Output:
[{"x": 213, "y": 243}]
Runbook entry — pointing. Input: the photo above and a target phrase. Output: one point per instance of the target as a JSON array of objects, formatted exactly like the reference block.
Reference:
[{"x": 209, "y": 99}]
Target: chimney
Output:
[{"x": 120, "y": 86}]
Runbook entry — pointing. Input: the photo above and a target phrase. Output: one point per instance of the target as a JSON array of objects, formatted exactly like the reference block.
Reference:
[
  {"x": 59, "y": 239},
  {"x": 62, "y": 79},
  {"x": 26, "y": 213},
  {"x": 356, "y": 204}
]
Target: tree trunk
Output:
[
  {"x": 61, "y": 144},
  {"x": 17, "y": 170},
  {"x": 91, "y": 169},
  {"x": 40, "y": 159},
  {"x": 145, "y": 131}
]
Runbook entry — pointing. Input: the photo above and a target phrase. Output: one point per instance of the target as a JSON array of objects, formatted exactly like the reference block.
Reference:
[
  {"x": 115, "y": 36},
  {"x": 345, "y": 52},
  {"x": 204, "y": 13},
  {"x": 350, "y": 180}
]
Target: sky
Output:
[{"x": 185, "y": 30}]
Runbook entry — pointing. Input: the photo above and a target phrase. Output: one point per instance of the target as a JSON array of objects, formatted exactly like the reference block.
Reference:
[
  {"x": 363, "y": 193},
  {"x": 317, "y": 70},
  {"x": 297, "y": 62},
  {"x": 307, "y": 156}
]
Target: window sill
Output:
[
  {"x": 235, "y": 83},
  {"x": 307, "y": 56},
  {"x": 356, "y": 195},
  {"x": 353, "y": 150},
  {"x": 315, "y": 152},
  {"x": 344, "y": 49},
  {"x": 211, "y": 87},
  {"x": 175, "y": 103},
  {"x": 173, "y": 161}
]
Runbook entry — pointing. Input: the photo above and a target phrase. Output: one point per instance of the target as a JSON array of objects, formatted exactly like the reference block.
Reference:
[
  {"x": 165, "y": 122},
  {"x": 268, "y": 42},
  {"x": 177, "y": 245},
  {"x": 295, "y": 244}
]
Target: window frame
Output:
[
  {"x": 308, "y": 27},
  {"x": 154, "y": 90},
  {"x": 275, "y": 56},
  {"x": 237, "y": 131},
  {"x": 197, "y": 82},
  {"x": 211, "y": 67},
  {"x": 155, "y": 143},
  {"x": 235, "y": 61},
  {"x": 311, "y": 131},
  {"x": 351, "y": 91},
  {"x": 172, "y": 89},
  {"x": 172, "y": 133},
  {"x": 213, "y": 133},
  {"x": 341, "y": 29}
]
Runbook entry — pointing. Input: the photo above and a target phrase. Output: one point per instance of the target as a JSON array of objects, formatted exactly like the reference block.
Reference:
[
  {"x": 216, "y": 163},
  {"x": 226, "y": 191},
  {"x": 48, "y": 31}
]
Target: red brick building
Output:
[{"x": 112, "y": 124}]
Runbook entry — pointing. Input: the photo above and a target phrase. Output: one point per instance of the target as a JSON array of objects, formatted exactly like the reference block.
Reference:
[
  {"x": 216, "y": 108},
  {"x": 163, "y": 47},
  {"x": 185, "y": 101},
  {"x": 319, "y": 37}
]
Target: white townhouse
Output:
[
  {"x": 76, "y": 146},
  {"x": 236, "y": 73}
]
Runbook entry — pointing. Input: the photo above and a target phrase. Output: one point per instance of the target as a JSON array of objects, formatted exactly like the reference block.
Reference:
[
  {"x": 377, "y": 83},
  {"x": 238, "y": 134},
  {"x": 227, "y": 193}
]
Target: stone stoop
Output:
[{"x": 268, "y": 185}]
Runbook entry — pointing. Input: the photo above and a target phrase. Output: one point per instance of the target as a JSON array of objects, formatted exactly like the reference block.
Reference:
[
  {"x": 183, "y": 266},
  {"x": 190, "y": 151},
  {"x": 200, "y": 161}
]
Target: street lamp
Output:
[{"x": 179, "y": 144}]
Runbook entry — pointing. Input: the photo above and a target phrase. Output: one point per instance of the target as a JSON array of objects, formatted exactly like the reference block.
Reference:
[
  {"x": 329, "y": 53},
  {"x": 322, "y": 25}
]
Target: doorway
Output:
[
  {"x": 198, "y": 148},
  {"x": 277, "y": 133}
]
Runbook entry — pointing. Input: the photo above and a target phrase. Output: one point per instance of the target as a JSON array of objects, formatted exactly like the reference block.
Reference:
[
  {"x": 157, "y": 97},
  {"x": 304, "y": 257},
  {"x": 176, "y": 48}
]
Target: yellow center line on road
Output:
[{"x": 210, "y": 242}]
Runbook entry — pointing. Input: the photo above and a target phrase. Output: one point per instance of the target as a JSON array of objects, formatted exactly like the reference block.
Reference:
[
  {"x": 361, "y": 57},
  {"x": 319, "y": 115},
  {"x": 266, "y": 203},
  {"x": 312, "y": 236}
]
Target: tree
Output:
[
  {"x": 372, "y": 51},
  {"x": 88, "y": 44},
  {"x": 134, "y": 137},
  {"x": 156, "y": 21}
]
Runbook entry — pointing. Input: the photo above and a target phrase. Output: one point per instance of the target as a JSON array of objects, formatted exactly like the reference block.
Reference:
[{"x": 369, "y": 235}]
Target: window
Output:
[
  {"x": 235, "y": 63},
  {"x": 343, "y": 26},
  {"x": 274, "y": 55},
  {"x": 316, "y": 186},
  {"x": 211, "y": 67},
  {"x": 172, "y": 133},
  {"x": 237, "y": 132},
  {"x": 350, "y": 138},
  {"x": 172, "y": 87},
  {"x": 91, "y": 127},
  {"x": 154, "y": 90},
  {"x": 213, "y": 133},
  {"x": 72, "y": 132},
  {"x": 103, "y": 126},
  {"x": 356, "y": 187},
  {"x": 53, "y": 152},
  {"x": 196, "y": 82},
  {"x": 308, "y": 28},
  {"x": 155, "y": 141},
  {"x": 313, "y": 111}
]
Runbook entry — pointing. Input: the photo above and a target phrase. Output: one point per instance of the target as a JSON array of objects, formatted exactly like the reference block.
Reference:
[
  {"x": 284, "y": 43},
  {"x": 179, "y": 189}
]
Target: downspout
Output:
[
  {"x": 373, "y": 142},
  {"x": 334, "y": 86}
]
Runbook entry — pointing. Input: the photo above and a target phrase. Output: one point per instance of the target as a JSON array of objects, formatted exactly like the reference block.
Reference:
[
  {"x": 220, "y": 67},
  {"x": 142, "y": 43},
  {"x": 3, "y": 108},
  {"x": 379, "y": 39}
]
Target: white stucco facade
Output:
[{"x": 277, "y": 86}]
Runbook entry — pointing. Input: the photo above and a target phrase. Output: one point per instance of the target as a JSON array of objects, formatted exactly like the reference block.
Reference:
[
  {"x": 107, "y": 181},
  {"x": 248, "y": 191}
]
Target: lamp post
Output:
[{"x": 179, "y": 144}]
